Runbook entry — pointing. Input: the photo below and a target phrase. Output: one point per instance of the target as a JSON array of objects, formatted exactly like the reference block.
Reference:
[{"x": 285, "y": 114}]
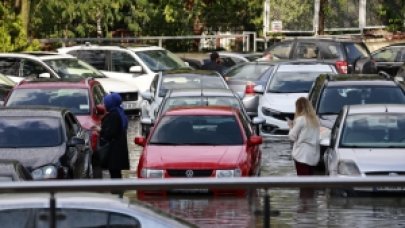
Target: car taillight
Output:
[
  {"x": 94, "y": 140},
  {"x": 249, "y": 90},
  {"x": 341, "y": 67}
]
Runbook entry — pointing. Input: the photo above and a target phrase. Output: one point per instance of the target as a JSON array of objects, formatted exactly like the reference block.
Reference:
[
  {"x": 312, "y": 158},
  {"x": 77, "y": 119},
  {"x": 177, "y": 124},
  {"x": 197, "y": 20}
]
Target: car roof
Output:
[
  {"x": 185, "y": 72},
  {"x": 55, "y": 83},
  {"x": 305, "y": 67},
  {"x": 201, "y": 110},
  {"x": 201, "y": 92},
  {"x": 376, "y": 108},
  {"x": 350, "y": 39},
  {"x": 109, "y": 47},
  {"x": 27, "y": 111},
  {"x": 39, "y": 55},
  {"x": 362, "y": 82}
]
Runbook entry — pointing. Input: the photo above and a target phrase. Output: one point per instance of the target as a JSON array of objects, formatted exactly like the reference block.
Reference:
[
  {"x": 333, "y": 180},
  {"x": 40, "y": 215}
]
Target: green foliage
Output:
[{"x": 12, "y": 33}]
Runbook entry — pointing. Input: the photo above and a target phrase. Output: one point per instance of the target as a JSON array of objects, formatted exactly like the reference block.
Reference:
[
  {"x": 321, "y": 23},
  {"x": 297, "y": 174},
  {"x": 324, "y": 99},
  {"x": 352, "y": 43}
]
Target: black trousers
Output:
[{"x": 115, "y": 173}]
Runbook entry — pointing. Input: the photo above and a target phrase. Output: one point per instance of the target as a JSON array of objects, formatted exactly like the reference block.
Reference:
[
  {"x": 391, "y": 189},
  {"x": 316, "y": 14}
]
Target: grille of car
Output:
[
  {"x": 187, "y": 173},
  {"x": 133, "y": 96},
  {"x": 392, "y": 173}
]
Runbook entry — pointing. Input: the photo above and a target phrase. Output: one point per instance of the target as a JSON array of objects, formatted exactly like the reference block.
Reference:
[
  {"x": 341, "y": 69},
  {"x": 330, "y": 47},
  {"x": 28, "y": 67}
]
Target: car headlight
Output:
[
  {"x": 45, "y": 172},
  {"x": 348, "y": 168},
  {"x": 152, "y": 173},
  {"x": 270, "y": 112},
  {"x": 228, "y": 173}
]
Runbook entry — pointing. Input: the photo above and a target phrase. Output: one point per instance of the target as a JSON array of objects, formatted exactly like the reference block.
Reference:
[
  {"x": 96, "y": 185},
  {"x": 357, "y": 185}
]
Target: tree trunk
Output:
[
  {"x": 25, "y": 14},
  {"x": 322, "y": 7}
]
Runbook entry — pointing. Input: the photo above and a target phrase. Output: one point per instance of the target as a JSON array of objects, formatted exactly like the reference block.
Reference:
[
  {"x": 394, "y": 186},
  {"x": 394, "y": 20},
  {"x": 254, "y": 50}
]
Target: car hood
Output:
[
  {"x": 114, "y": 85},
  {"x": 377, "y": 160},
  {"x": 283, "y": 102},
  {"x": 34, "y": 157},
  {"x": 327, "y": 120},
  {"x": 207, "y": 157}
]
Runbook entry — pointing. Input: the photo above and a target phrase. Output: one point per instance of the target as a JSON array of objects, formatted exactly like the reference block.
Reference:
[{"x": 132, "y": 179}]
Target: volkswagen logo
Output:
[{"x": 189, "y": 173}]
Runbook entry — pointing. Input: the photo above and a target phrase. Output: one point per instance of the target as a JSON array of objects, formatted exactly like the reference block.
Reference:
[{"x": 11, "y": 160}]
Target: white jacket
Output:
[{"x": 306, "y": 142}]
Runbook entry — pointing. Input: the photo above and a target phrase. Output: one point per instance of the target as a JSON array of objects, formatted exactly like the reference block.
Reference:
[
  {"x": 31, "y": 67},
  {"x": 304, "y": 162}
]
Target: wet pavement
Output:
[{"x": 288, "y": 208}]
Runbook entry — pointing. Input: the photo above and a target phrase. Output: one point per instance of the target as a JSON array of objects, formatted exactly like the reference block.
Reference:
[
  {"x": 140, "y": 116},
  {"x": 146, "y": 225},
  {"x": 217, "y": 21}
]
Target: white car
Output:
[
  {"x": 134, "y": 65},
  {"x": 19, "y": 66},
  {"x": 367, "y": 140},
  {"x": 288, "y": 82}
]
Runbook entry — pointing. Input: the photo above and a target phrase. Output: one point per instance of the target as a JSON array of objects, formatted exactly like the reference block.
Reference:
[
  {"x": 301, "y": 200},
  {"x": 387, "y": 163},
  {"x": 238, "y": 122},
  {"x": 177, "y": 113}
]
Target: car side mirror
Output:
[
  {"x": 44, "y": 75},
  {"x": 76, "y": 141},
  {"x": 325, "y": 142},
  {"x": 398, "y": 79},
  {"x": 255, "y": 140},
  {"x": 259, "y": 89},
  {"x": 135, "y": 69},
  {"x": 147, "y": 96},
  {"x": 258, "y": 120},
  {"x": 100, "y": 109},
  {"x": 140, "y": 141}
]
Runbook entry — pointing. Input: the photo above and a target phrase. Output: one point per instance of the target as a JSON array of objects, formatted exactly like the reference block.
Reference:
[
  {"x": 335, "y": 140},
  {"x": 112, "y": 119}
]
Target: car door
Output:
[
  {"x": 389, "y": 60},
  {"x": 254, "y": 152}
]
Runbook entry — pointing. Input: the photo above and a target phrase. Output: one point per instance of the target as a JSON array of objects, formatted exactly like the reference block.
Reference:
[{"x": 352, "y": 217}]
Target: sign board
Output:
[{"x": 276, "y": 26}]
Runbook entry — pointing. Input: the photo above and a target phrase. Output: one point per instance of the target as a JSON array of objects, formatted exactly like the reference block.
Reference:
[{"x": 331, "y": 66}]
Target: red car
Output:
[
  {"x": 209, "y": 141},
  {"x": 83, "y": 97}
]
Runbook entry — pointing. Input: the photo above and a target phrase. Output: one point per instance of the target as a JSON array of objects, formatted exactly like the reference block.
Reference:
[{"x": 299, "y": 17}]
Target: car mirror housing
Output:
[
  {"x": 146, "y": 95},
  {"x": 135, "y": 69},
  {"x": 259, "y": 89},
  {"x": 258, "y": 120},
  {"x": 100, "y": 109},
  {"x": 255, "y": 140},
  {"x": 140, "y": 141},
  {"x": 76, "y": 141},
  {"x": 325, "y": 142}
]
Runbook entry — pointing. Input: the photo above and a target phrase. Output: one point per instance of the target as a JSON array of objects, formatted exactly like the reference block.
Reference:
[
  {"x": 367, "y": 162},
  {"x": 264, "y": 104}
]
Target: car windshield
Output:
[
  {"x": 23, "y": 132},
  {"x": 160, "y": 60},
  {"x": 197, "y": 130},
  {"x": 71, "y": 67},
  {"x": 374, "y": 130},
  {"x": 198, "y": 101},
  {"x": 247, "y": 72},
  {"x": 76, "y": 100},
  {"x": 191, "y": 81},
  {"x": 334, "y": 98},
  {"x": 292, "y": 82}
]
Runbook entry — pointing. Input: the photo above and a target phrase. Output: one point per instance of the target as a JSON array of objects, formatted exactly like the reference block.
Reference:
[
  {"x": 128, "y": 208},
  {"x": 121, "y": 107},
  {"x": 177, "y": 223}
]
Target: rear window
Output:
[
  {"x": 334, "y": 98},
  {"x": 76, "y": 100},
  {"x": 191, "y": 82},
  {"x": 197, "y": 101},
  {"x": 197, "y": 130},
  {"x": 20, "y": 132},
  {"x": 249, "y": 72},
  {"x": 355, "y": 51}
]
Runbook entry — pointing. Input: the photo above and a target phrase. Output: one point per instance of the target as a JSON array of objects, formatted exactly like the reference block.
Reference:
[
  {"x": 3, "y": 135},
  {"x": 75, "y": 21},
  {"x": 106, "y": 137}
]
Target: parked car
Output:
[
  {"x": 288, "y": 82},
  {"x": 134, "y": 65},
  {"x": 172, "y": 80},
  {"x": 81, "y": 210},
  {"x": 348, "y": 55},
  {"x": 83, "y": 97},
  {"x": 54, "y": 65},
  {"x": 389, "y": 59},
  {"x": 6, "y": 85},
  {"x": 221, "y": 141},
  {"x": 367, "y": 140},
  {"x": 242, "y": 79},
  {"x": 201, "y": 97},
  {"x": 49, "y": 142}
]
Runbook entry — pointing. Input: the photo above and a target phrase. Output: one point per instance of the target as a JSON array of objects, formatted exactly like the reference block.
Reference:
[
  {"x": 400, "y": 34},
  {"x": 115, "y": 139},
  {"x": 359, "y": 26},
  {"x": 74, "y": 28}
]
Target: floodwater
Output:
[{"x": 288, "y": 208}]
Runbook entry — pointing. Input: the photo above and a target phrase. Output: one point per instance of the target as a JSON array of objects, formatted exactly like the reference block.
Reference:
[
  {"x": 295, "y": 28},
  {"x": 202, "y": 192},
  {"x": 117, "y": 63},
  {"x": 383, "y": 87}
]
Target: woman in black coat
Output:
[{"x": 114, "y": 131}]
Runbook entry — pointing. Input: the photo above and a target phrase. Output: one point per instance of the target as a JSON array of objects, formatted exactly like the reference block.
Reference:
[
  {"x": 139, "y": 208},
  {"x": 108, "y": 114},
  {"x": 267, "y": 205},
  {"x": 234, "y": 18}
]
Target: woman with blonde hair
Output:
[{"x": 304, "y": 132}]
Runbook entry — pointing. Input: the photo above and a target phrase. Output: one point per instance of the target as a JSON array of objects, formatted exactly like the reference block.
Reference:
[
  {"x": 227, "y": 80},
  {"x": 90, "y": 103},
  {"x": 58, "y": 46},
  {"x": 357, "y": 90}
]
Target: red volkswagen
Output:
[{"x": 212, "y": 142}]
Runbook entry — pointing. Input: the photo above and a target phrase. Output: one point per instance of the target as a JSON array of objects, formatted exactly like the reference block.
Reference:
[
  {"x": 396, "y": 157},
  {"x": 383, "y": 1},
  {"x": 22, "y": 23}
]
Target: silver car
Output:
[{"x": 367, "y": 140}]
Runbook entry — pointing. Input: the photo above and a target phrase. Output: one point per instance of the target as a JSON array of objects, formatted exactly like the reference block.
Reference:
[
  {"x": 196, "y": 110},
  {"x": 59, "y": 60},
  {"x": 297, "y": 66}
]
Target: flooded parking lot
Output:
[{"x": 289, "y": 209}]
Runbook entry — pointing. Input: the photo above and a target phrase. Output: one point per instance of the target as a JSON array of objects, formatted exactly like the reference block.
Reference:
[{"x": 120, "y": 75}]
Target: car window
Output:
[
  {"x": 329, "y": 50},
  {"x": 198, "y": 130},
  {"x": 158, "y": 60},
  {"x": 191, "y": 82},
  {"x": 76, "y": 100},
  {"x": 10, "y": 66},
  {"x": 292, "y": 82},
  {"x": 197, "y": 101},
  {"x": 306, "y": 51},
  {"x": 96, "y": 58},
  {"x": 355, "y": 51},
  {"x": 72, "y": 67},
  {"x": 72, "y": 217},
  {"x": 386, "y": 55},
  {"x": 248, "y": 72},
  {"x": 383, "y": 130},
  {"x": 22, "y": 132},
  {"x": 402, "y": 55},
  {"x": 121, "y": 61},
  {"x": 334, "y": 98},
  {"x": 281, "y": 50},
  {"x": 32, "y": 69}
]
